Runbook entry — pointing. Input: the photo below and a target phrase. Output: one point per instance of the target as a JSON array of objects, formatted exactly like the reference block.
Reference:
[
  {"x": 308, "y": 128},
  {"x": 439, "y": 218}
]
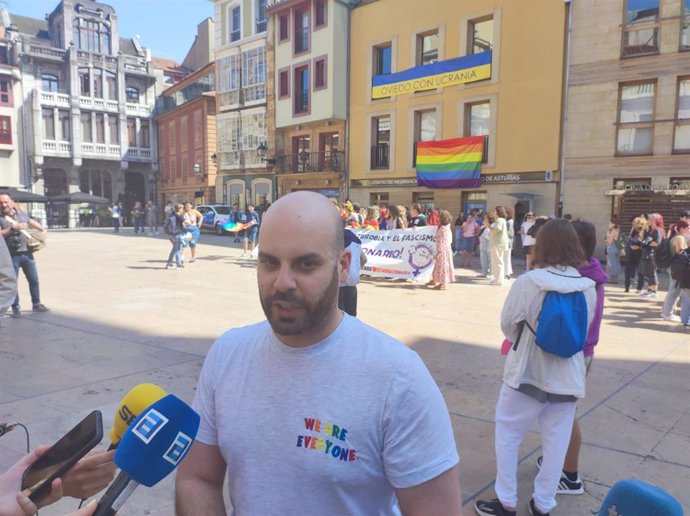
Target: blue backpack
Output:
[{"x": 562, "y": 324}]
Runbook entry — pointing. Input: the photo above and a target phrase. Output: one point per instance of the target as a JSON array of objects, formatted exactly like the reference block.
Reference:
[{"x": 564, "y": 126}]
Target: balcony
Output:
[
  {"x": 98, "y": 104},
  {"x": 135, "y": 154},
  {"x": 329, "y": 161},
  {"x": 54, "y": 98},
  {"x": 379, "y": 156},
  {"x": 136, "y": 64},
  {"x": 241, "y": 159},
  {"x": 55, "y": 54},
  {"x": 100, "y": 151},
  {"x": 137, "y": 110},
  {"x": 58, "y": 149}
]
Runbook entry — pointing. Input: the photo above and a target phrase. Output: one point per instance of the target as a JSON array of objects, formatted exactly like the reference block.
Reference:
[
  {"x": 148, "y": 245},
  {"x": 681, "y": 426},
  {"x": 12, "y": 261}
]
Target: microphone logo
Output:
[
  {"x": 178, "y": 448},
  {"x": 149, "y": 425},
  {"x": 126, "y": 415}
]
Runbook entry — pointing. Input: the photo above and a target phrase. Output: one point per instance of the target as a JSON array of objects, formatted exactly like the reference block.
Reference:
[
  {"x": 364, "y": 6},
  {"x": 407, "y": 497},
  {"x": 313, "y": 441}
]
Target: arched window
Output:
[
  {"x": 91, "y": 35},
  {"x": 132, "y": 94}
]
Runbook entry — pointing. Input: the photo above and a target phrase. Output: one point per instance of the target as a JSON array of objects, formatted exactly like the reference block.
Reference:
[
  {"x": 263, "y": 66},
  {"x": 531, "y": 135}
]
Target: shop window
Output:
[{"x": 378, "y": 198}]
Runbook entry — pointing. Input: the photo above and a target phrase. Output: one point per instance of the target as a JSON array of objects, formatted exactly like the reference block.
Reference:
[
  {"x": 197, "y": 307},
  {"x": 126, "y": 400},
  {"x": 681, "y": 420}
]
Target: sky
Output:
[{"x": 167, "y": 27}]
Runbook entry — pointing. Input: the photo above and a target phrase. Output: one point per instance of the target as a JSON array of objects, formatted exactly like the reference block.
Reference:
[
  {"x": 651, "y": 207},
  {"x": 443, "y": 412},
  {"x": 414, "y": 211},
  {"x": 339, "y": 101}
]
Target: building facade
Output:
[
  {"x": 517, "y": 109},
  {"x": 186, "y": 122},
  {"x": 244, "y": 175},
  {"x": 628, "y": 110},
  {"x": 10, "y": 101},
  {"x": 309, "y": 70},
  {"x": 86, "y": 105}
]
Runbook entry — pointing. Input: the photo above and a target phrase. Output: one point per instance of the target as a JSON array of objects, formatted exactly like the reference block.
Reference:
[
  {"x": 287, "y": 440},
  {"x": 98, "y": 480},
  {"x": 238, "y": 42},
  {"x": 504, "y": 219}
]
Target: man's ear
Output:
[{"x": 344, "y": 261}]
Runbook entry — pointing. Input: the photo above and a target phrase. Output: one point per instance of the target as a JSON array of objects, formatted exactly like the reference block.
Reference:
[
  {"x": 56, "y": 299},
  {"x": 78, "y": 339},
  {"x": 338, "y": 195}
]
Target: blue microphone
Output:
[{"x": 151, "y": 448}]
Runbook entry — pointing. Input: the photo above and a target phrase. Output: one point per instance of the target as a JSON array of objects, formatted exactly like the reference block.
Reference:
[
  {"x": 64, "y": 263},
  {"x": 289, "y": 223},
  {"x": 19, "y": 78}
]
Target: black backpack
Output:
[
  {"x": 663, "y": 254},
  {"x": 680, "y": 263}
]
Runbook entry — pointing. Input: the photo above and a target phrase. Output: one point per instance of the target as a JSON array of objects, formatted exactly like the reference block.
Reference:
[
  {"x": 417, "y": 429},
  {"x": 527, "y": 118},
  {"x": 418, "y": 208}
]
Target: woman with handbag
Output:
[{"x": 633, "y": 252}]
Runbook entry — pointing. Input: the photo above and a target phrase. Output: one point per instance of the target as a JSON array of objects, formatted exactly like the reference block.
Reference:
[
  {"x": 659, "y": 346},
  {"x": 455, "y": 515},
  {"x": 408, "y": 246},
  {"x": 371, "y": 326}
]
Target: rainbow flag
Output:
[{"x": 453, "y": 163}]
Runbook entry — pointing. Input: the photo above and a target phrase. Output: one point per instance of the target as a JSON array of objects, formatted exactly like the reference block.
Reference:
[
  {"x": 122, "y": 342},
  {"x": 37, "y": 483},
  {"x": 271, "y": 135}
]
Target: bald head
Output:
[{"x": 304, "y": 212}]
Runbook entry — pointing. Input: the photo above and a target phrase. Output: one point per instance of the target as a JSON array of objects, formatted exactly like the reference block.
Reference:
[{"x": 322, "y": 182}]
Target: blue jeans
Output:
[
  {"x": 685, "y": 306},
  {"x": 613, "y": 261},
  {"x": 176, "y": 251},
  {"x": 671, "y": 297},
  {"x": 26, "y": 263},
  {"x": 484, "y": 259}
]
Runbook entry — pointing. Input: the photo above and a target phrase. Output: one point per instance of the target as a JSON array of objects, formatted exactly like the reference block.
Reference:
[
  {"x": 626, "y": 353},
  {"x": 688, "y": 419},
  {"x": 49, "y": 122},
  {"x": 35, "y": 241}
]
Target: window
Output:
[
  {"x": 426, "y": 199},
  {"x": 84, "y": 82},
  {"x": 684, "y": 27},
  {"x": 481, "y": 35},
  {"x": 86, "y": 133},
  {"x": 95, "y": 182},
  {"x": 427, "y": 48},
  {"x": 91, "y": 35},
  {"x": 5, "y": 130},
  {"x": 48, "y": 116},
  {"x": 49, "y": 82},
  {"x": 114, "y": 130},
  {"x": 97, "y": 83},
  {"x": 172, "y": 140},
  {"x": 641, "y": 28},
  {"x": 320, "y": 80},
  {"x": 198, "y": 133},
  {"x": 329, "y": 151},
  {"x": 381, "y": 137},
  {"x": 184, "y": 125},
  {"x": 132, "y": 94},
  {"x": 235, "y": 24},
  {"x": 424, "y": 129},
  {"x": 378, "y": 198},
  {"x": 260, "y": 16},
  {"x": 4, "y": 55},
  {"x": 144, "y": 134},
  {"x": 302, "y": 89},
  {"x": 477, "y": 123},
  {"x": 301, "y": 145},
  {"x": 64, "y": 125},
  {"x": 5, "y": 92},
  {"x": 132, "y": 132},
  {"x": 636, "y": 118},
  {"x": 100, "y": 128},
  {"x": 254, "y": 74},
  {"x": 382, "y": 59},
  {"x": 111, "y": 86},
  {"x": 284, "y": 84},
  {"x": 284, "y": 28},
  {"x": 301, "y": 17},
  {"x": 320, "y": 18},
  {"x": 681, "y": 142}
]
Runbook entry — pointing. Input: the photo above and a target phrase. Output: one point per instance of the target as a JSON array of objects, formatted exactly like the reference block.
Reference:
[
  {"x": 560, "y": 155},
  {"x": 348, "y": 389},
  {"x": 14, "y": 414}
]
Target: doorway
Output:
[{"x": 135, "y": 190}]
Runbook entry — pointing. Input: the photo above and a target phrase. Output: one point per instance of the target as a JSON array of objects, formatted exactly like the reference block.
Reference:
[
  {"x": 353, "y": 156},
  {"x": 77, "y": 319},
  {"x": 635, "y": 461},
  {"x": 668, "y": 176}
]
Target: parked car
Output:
[{"x": 215, "y": 215}]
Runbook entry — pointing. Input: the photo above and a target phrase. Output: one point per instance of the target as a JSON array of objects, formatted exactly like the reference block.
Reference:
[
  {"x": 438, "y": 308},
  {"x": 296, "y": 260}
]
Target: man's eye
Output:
[
  {"x": 269, "y": 262},
  {"x": 308, "y": 264}
]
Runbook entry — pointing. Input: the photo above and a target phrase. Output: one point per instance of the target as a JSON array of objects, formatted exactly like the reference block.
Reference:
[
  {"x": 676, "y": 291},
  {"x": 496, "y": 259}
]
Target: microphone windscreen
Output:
[
  {"x": 157, "y": 441},
  {"x": 135, "y": 401}
]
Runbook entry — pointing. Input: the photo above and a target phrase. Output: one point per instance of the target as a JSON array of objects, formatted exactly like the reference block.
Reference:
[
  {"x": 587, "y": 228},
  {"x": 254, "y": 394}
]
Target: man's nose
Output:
[{"x": 285, "y": 280}]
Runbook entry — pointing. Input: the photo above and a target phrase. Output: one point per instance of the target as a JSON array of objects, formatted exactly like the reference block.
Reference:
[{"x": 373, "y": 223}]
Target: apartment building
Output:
[
  {"x": 186, "y": 122},
  {"x": 516, "y": 107},
  {"x": 10, "y": 100},
  {"x": 244, "y": 174},
  {"x": 627, "y": 135},
  {"x": 308, "y": 62},
  {"x": 86, "y": 106}
]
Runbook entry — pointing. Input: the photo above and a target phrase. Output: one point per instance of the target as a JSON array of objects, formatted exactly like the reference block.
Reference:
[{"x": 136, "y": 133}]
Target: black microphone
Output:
[{"x": 7, "y": 427}]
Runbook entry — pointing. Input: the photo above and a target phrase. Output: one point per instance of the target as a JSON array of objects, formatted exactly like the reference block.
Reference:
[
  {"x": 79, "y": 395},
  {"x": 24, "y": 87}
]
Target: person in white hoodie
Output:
[{"x": 538, "y": 386}]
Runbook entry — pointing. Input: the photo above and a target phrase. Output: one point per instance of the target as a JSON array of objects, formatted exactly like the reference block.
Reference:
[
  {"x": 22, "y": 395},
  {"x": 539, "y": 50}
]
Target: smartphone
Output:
[{"x": 62, "y": 455}]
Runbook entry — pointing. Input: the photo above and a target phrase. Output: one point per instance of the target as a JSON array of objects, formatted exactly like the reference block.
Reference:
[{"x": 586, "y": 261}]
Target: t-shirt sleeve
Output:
[
  {"x": 205, "y": 399},
  {"x": 418, "y": 441}
]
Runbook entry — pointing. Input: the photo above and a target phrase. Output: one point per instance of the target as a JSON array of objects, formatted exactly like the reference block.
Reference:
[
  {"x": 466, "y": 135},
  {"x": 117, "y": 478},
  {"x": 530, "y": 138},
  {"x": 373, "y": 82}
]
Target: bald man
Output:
[{"x": 312, "y": 411}]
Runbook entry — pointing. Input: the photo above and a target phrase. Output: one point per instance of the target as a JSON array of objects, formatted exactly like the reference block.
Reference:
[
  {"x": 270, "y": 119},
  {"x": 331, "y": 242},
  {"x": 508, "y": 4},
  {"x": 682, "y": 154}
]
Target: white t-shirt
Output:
[
  {"x": 527, "y": 239},
  {"x": 327, "y": 429}
]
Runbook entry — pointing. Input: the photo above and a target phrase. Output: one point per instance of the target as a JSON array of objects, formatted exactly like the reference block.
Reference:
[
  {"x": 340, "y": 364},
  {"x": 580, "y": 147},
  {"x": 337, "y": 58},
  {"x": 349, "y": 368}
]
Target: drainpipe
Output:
[
  {"x": 564, "y": 107},
  {"x": 346, "y": 154}
]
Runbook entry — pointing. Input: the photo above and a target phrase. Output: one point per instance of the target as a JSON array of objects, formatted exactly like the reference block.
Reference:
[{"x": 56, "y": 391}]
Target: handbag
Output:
[{"x": 36, "y": 241}]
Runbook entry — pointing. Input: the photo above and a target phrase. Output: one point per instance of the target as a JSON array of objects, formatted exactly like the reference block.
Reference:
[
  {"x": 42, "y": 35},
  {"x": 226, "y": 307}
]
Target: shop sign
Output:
[{"x": 518, "y": 177}]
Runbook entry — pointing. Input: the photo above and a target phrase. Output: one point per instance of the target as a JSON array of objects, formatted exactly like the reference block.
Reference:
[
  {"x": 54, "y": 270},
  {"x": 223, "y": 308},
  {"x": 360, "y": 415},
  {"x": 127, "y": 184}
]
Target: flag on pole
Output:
[{"x": 453, "y": 163}]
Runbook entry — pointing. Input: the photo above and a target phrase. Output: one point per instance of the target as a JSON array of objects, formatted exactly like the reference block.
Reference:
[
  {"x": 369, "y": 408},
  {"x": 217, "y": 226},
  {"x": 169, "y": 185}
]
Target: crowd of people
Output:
[{"x": 388, "y": 412}]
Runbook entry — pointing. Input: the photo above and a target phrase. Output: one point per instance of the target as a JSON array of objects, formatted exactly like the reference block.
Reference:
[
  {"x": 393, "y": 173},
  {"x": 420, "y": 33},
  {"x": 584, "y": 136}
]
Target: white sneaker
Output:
[
  {"x": 243, "y": 255},
  {"x": 671, "y": 318},
  {"x": 650, "y": 294}
]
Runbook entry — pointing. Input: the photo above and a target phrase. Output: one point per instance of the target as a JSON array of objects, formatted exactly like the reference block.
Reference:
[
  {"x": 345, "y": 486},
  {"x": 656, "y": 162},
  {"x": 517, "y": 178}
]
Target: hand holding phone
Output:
[{"x": 64, "y": 454}]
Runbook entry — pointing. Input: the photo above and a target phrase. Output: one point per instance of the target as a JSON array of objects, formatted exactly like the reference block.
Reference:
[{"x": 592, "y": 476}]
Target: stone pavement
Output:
[{"x": 119, "y": 319}]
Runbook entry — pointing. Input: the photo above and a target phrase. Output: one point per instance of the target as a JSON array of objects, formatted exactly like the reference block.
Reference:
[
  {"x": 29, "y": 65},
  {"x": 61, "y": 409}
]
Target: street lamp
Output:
[{"x": 261, "y": 151}]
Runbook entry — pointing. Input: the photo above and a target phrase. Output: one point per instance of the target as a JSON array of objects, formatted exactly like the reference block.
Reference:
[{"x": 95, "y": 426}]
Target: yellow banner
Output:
[{"x": 441, "y": 80}]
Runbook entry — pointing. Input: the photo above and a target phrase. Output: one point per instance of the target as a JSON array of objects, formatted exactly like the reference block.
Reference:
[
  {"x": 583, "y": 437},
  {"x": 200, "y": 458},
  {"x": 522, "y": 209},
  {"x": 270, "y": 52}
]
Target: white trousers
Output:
[{"x": 515, "y": 413}]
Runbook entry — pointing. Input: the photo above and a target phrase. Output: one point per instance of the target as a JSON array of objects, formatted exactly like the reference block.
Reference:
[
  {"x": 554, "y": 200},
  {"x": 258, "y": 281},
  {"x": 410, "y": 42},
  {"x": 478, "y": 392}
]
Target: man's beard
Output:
[{"x": 311, "y": 316}]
